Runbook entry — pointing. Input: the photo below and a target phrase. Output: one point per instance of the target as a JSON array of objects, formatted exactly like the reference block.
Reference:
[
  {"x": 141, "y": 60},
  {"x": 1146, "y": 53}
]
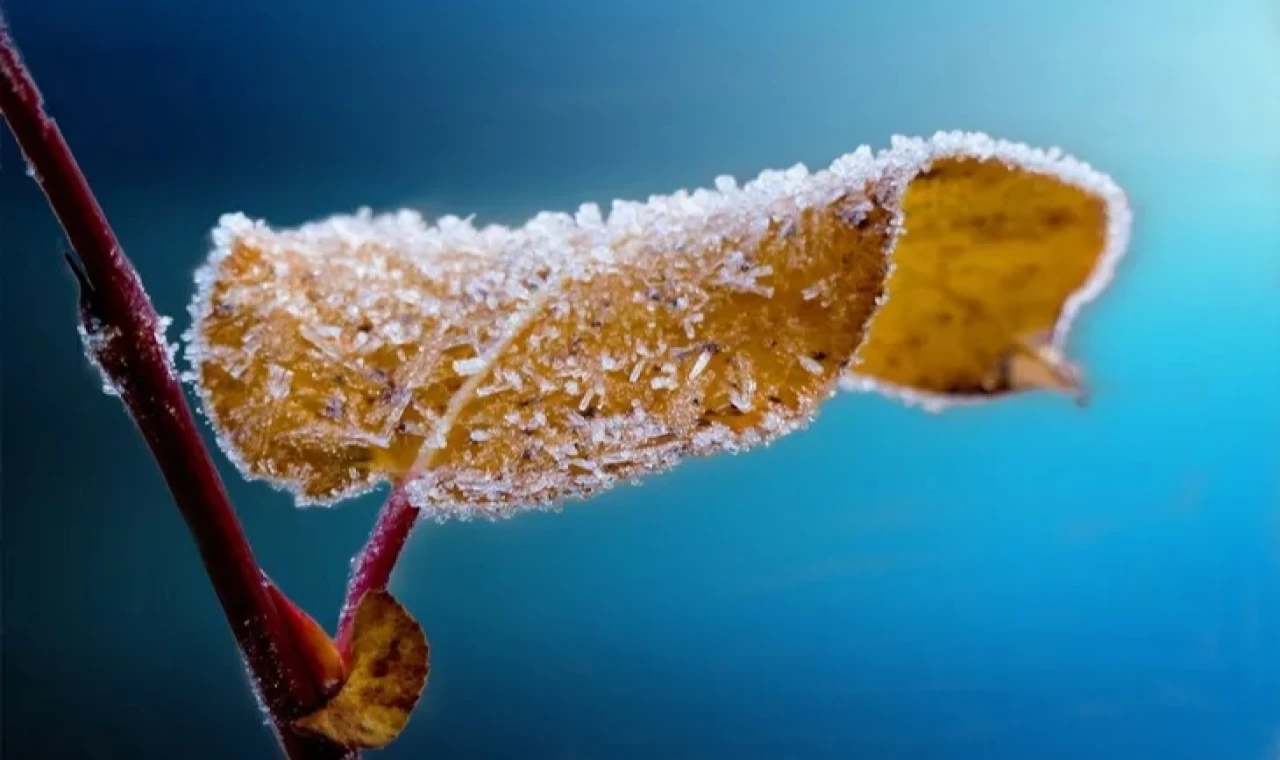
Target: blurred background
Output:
[{"x": 1021, "y": 580}]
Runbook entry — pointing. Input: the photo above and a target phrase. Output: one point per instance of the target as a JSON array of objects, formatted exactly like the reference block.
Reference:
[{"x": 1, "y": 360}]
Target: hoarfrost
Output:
[
  {"x": 812, "y": 366},
  {"x": 279, "y": 380},
  {"x": 704, "y": 358},
  {"x": 469, "y": 366},
  {"x": 96, "y": 339},
  {"x": 163, "y": 324}
]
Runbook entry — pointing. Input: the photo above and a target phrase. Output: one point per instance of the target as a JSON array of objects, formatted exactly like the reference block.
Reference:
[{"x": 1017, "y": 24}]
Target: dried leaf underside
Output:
[{"x": 501, "y": 369}]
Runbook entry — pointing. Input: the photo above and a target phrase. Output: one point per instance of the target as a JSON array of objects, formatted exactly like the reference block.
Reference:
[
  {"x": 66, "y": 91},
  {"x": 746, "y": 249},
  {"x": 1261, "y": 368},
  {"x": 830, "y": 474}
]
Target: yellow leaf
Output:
[
  {"x": 386, "y": 675},
  {"x": 498, "y": 369}
]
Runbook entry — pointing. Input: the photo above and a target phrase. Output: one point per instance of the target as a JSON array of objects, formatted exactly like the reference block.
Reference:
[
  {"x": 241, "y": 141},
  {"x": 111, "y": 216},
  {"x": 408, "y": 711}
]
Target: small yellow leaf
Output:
[
  {"x": 386, "y": 675},
  {"x": 497, "y": 369}
]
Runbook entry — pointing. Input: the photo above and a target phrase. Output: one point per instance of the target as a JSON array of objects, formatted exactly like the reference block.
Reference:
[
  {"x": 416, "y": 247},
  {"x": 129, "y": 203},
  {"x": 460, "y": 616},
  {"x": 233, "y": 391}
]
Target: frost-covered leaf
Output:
[
  {"x": 497, "y": 369},
  {"x": 386, "y": 673},
  {"x": 518, "y": 367}
]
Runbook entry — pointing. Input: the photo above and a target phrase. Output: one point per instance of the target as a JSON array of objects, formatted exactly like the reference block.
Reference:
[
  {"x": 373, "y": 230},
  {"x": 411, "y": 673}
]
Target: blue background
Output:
[{"x": 1023, "y": 580}]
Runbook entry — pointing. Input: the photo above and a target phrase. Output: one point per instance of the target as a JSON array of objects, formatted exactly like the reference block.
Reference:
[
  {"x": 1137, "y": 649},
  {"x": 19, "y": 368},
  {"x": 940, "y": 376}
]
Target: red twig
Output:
[
  {"x": 373, "y": 566},
  {"x": 124, "y": 326}
]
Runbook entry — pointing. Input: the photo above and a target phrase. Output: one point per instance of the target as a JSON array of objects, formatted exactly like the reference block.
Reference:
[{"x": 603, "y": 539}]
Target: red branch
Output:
[
  {"x": 372, "y": 568},
  {"x": 135, "y": 361}
]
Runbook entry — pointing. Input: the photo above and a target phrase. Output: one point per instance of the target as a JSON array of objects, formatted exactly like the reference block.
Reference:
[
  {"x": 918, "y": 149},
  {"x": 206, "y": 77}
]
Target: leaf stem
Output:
[
  {"x": 371, "y": 569},
  {"x": 132, "y": 353}
]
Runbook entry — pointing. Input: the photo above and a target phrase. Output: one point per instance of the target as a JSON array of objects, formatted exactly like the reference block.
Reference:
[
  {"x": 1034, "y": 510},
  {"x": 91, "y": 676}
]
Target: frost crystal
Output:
[
  {"x": 278, "y": 381},
  {"x": 469, "y": 366},
  {"x": 163, "y": 324},
  {"x": 812, "y": 366},
  {"x": 95, "y": 340}
]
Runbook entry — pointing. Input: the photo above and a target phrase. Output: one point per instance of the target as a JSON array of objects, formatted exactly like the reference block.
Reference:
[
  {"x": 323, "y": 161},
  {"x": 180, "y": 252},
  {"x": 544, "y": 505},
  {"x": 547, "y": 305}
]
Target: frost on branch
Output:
[
  {"x": 498, "y": 369},
  {"x": 97, "y": 340}
]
